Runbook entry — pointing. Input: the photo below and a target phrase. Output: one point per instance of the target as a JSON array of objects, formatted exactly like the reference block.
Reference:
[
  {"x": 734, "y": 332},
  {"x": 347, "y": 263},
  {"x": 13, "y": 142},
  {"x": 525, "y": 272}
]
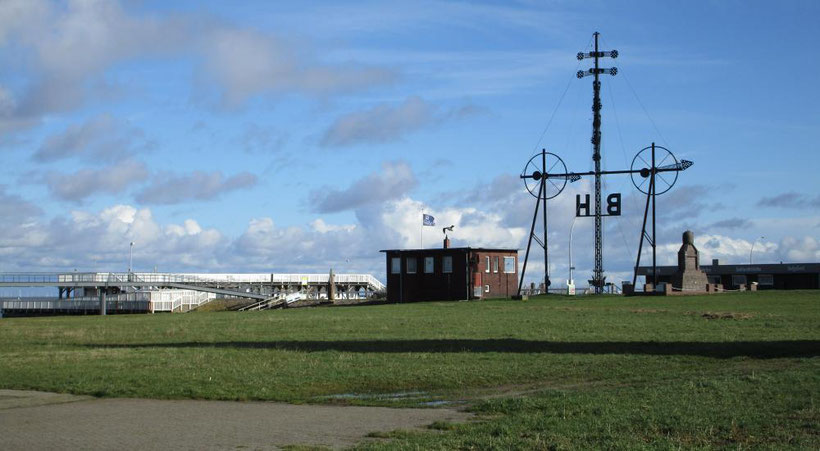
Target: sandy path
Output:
[{"x": 36, "y": 420}]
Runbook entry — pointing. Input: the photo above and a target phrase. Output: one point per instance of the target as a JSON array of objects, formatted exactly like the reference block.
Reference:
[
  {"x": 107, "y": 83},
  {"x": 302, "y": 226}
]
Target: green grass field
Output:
[{"x": 727, "y": 371}]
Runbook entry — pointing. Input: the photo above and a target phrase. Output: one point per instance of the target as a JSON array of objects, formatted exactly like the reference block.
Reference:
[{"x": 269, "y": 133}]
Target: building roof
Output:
[{"x": 442, "y": 249}]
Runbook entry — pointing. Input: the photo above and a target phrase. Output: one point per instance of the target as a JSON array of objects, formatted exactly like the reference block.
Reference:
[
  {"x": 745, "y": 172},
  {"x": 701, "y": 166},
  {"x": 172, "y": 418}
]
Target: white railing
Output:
[
  {"x": 174, "y": 300},
  {"x": 28, "y": 277},
  {"x": 299, "y": 278},
  {"x": 231, "y": 278},
  {"x": 153, "y": 301},
  {"x": 34, "y": 304},
  {"x": 305, "y": 279},
  {"x": 120, "y": 297},
  {"x": 115, "y": 278},
  {"x": 123, "y": 278}
]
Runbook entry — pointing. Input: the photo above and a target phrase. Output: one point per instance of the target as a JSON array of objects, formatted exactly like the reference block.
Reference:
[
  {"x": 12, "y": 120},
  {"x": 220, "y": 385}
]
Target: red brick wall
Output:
[{"x": 501, "y": 284}]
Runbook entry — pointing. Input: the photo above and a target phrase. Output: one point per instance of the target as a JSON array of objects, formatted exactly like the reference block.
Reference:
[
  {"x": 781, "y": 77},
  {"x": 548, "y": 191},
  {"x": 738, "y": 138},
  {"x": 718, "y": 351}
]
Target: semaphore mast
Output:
[{"x": 598, "y": 278}]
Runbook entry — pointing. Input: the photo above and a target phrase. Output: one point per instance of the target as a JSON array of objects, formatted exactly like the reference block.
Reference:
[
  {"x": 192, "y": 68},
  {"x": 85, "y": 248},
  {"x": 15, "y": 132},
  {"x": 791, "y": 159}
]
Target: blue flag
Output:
[{"x": 428, "y": 220}]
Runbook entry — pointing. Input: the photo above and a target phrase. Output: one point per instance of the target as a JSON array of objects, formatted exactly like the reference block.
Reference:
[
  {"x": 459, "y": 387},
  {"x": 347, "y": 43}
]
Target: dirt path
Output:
[{"x": 36, "y": 420}]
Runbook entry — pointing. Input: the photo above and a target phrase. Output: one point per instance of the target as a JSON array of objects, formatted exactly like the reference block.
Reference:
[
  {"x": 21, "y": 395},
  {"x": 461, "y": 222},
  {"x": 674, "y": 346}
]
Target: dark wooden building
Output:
[
  {"x": 778, "y": 276},
  {"x": 450, "y": 273}
]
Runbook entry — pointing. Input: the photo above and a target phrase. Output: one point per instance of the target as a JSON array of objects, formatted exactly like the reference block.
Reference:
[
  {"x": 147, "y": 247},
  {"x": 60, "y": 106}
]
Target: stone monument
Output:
[
  {"x": 331, "y": 286},
  {"x": 689, "y": 276}
]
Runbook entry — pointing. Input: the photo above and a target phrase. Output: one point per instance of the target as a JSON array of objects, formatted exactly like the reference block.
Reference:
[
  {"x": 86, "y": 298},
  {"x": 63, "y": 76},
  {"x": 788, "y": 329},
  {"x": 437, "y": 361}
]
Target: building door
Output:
[{"x": 478, "y": 288}]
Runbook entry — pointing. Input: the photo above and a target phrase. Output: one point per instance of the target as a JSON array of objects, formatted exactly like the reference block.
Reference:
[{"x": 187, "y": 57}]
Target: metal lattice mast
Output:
[{"x": 598, "y": 275}]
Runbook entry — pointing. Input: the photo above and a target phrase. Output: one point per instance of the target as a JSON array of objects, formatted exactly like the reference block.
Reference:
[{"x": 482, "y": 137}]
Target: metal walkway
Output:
[
  {"x": 78, "y": 291},
  {"x": 227, "y": 284}
]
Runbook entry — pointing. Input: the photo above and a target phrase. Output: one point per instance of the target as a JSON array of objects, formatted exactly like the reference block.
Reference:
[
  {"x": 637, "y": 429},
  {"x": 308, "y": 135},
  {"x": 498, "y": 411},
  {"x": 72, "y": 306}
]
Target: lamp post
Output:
[
  {"x": 130, "y": 257},
  {"x": 753, "y": 247},
  {"x": 571, "y": 281},
  {"x": 570, "y": 248}
]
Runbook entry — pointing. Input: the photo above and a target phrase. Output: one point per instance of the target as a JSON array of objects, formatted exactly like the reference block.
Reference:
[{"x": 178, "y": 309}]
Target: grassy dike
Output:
[{"x": 731, "y": 370}]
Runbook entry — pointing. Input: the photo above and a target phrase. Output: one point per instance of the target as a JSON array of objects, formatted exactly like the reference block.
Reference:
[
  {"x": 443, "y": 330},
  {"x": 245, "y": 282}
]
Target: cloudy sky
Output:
[{"x": 295, "y": 136}]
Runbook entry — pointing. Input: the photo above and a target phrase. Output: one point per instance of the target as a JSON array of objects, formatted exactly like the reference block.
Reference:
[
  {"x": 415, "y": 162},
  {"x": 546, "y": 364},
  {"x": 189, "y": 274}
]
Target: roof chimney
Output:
[{"x": 446, "y": 242}]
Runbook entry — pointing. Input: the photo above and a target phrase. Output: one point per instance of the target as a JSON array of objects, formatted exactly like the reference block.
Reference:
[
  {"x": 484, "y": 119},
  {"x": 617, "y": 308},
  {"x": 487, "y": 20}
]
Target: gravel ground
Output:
[{"x": 35, "y": 420}]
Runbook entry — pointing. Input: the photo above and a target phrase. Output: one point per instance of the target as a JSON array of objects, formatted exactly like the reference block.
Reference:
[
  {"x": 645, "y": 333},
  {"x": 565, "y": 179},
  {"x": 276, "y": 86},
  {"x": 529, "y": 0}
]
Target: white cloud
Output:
[
  {"x": 385, "y": 122},
  {"x": 799, "y": 250},
  {"x": 165, "y": 188},
  {"x": 247, "y": 62},
  {"x": 394, "y": 180},
  {"x": 267, "y": 247},
  {"x": 321, "y": 226},
  {"x": 100, "y": 138},
  {"x": 18, "y": 223},
  {"x": 100, "y": 241},
  {"x": 731, "y": 224},
  {"x": 168, "y": 188},
  {"x": 790, "y": 200},
  {"x": 391, "y": 224},
  {"x": 474, "y": 228},
  {"x": 75, "y": 44},
  {"x": 81, "y": 184},
  {"x": 69, "y": 47},
  {"x": 727, "y": 249},
  {"x": 16, "y": 15},
  {"x": 380, "y": 123},
  {"x": 15, "y": 208}
]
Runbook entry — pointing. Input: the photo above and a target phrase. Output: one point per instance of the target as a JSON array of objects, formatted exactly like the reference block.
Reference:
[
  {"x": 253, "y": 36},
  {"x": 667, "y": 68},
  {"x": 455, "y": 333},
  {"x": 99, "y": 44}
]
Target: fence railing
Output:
[
  {"x": 97, "y": 277},
  {"x": 173, "y": 300},
  {"x": 27, "y": 277},
  {"x": 120, "y": 278},
  {"x": 36, "y": 304},
  {"x": 154, "y": 301}
]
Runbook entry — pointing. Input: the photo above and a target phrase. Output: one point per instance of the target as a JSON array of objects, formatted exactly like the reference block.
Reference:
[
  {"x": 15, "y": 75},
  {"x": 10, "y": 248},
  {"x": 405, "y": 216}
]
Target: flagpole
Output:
[{"x": 421, "y": 232}]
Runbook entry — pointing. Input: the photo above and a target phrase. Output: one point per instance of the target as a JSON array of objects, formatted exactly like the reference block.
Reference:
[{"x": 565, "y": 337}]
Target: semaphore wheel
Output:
[
  {"x": 664, "y": 177},
  {"x": 556, "y": 175}
]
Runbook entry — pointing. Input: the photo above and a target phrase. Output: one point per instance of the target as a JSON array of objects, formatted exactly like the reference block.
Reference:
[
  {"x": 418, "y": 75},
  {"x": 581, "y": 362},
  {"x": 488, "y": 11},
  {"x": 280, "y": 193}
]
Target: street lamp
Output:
[
  {"x": 570, "y": 281},
  {"x": 130, "y": 257},
  {"x": 753, "y": 247}
]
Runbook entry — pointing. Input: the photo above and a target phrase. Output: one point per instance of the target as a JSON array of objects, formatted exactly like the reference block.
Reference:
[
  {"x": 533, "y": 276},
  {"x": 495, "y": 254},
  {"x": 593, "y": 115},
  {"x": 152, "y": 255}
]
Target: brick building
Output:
[{"x": 450, "y": 273}]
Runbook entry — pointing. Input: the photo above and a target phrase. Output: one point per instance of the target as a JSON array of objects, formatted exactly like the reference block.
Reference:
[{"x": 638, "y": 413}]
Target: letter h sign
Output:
[{"x": 613, "y": 205}]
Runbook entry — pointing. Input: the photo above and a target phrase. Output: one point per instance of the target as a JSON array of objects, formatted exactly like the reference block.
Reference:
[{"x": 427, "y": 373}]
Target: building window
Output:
[
  {"x": 509, "y": 265},
  {"x": 486, "y": 288},
  {"x": 765, "y": 279},
  {"x": 447, "y": 264},
  {"x": 714, "y": 279},
  {"x": 487, "y": 265},
  {"x": 428, "y": 265},
  {"x": 738, "y": 280},
  {"x": 411, "y": 265},
  {"x": 495, "y": 264},
  {"x": 395, "y": 265}
]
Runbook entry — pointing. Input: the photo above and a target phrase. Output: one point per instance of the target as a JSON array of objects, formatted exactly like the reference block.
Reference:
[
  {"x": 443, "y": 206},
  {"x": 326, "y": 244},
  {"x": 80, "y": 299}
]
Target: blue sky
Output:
[{"x": 289, "y": 137}]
